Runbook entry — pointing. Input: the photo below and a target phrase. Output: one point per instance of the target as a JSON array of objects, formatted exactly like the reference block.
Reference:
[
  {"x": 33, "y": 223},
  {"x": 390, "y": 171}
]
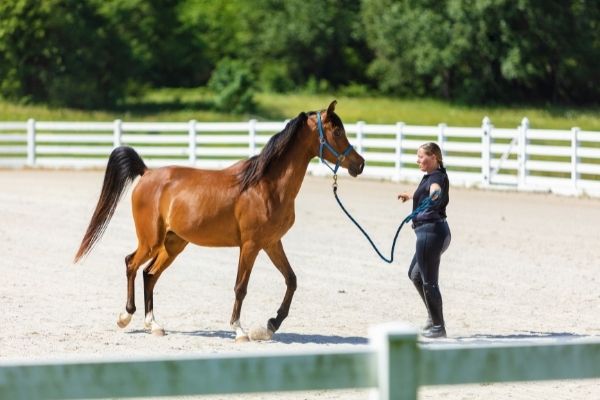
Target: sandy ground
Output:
[{"x": 521, "y": 267}]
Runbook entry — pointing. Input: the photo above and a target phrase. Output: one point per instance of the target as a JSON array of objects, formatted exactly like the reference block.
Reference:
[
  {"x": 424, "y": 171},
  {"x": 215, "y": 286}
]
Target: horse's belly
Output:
[{"x": 216, "y": 234}]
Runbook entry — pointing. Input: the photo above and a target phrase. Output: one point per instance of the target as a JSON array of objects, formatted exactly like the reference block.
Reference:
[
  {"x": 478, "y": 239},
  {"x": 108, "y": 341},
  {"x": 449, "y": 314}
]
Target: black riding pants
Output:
[{"x": 432, "y": 240}]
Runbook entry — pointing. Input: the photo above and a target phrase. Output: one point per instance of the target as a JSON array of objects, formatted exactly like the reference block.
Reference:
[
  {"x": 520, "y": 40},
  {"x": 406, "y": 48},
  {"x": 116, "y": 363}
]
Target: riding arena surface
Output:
[{"x": 522, "y": 267}]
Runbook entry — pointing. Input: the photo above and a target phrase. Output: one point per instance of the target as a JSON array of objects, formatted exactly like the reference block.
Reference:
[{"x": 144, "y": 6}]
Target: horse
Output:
[{"x": 249, "y": 205}]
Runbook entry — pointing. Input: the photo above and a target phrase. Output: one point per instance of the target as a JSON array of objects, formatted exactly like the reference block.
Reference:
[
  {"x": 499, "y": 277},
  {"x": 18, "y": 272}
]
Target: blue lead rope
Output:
[{"x": 426, "y": 203}]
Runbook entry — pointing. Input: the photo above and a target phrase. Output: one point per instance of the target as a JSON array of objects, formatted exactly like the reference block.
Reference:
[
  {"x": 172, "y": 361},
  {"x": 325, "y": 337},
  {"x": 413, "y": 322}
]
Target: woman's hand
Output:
[{"x": 404, "y": 197}]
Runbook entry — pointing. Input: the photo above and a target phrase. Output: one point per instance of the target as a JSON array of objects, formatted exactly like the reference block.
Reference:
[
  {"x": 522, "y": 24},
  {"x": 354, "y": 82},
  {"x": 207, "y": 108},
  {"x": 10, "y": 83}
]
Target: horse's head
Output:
[{"x": 333, "y": 143}]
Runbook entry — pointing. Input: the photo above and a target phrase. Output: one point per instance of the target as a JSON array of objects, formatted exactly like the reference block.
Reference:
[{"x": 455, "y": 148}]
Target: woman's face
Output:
[{"x": 427, "y": 163}]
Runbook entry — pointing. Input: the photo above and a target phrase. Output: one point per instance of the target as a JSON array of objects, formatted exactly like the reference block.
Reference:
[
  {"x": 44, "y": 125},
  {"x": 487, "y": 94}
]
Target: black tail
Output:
[{"x": 124, "y": 165}]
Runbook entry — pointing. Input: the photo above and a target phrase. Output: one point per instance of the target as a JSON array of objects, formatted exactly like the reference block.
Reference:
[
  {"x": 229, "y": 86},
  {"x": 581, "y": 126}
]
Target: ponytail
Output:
[{"x": 442, "y": 168}]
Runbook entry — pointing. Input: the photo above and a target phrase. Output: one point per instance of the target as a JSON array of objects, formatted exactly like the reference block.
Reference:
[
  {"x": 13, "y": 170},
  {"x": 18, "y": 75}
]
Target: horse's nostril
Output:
[{"x": 361, "y": 167}]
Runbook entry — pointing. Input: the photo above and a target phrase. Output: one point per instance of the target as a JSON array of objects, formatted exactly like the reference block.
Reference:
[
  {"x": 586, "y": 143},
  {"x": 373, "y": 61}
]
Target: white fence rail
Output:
[
  {"x": 394, "y": 364},
  {"x": 528, "y": 159}
]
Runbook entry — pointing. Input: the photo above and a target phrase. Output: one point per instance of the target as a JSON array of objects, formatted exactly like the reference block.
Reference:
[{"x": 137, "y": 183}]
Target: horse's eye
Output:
[{"x": 337, "y": 133}]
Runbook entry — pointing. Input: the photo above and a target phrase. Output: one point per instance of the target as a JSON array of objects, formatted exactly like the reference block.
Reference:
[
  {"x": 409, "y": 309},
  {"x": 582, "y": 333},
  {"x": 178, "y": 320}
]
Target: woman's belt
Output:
[{"x": 416, "y": 224}]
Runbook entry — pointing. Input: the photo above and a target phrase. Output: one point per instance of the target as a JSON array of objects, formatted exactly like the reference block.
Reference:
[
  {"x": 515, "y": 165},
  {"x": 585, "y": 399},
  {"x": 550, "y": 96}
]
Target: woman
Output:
[{"x": 433, "y": 235}]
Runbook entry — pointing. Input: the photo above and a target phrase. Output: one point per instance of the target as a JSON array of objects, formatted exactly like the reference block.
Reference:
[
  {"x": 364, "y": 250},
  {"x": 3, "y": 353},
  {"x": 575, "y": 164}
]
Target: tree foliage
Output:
[
  {"x": 232, "y": 83},
  {"x": 92, "y": 53},
  {"x": 300, "y": 39},
  {"x": 166, "y": 49},
  {"x": 486, "y": 50},
  {"x": 62, "y": 52}
]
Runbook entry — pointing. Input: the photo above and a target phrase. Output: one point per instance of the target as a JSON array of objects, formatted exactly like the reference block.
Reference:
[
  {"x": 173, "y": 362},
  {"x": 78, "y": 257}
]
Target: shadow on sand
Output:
[
  {"x": 510, "y": 339},
  {"x": 287, "y": 338},
  {"x": 477, "y": 339},
  {"x": 320, "y": 339}
]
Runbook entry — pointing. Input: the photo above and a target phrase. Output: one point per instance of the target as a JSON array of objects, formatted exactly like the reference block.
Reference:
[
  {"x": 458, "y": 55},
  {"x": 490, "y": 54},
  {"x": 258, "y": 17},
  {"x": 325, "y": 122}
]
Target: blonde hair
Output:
[{"x": 432, "y": 148}]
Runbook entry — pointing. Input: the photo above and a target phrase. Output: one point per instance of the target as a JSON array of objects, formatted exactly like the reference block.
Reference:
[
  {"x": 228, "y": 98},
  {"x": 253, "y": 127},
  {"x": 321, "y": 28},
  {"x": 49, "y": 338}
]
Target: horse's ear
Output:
[{"x": 331, "y": 107}]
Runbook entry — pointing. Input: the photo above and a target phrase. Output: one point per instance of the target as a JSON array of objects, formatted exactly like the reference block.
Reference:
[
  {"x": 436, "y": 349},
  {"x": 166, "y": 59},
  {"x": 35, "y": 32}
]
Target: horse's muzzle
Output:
[{"x": 356, "y": 166}]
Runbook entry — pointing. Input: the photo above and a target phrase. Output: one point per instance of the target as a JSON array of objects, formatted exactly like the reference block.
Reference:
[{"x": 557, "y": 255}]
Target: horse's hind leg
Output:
[
  {"x": 173, "y": 245},
  {"x": 279, "y": 259},
  {"x": 132, "y": 263}
]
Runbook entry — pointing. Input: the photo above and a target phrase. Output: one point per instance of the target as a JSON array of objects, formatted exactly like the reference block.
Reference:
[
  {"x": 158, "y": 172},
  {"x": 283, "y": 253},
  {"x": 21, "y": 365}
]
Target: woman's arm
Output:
[{"x": 435, "y": 190}]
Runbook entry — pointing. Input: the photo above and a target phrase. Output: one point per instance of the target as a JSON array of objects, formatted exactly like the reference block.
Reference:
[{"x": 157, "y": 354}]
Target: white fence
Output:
[
  {"x": 394, "y": 363},
  {"x": 528, "y": 159}
]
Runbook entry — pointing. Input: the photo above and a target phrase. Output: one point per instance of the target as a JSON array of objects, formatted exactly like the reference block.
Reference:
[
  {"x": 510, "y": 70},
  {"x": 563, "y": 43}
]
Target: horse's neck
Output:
[{"x": 290, "y": 169}]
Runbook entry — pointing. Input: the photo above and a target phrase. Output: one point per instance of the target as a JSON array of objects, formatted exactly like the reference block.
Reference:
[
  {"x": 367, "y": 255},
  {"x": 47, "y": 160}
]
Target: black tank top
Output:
[{"x": 438, "y": 210}]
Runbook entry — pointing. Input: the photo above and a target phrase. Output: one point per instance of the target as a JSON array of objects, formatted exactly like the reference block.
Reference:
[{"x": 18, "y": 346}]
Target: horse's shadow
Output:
[
  {"x": 287, "y": 338},
  {"x": 290, "y": 338}
]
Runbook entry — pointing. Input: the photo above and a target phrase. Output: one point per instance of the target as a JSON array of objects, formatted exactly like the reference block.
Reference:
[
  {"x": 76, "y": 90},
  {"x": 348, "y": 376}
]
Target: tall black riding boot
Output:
[
  {"x": 433, "y": 299},
  {"x": 419, "y": 286}
]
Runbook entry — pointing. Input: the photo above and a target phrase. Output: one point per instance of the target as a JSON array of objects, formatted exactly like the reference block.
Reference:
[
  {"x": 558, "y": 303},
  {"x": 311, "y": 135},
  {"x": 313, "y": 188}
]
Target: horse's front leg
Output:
[
  {"x": 248, "y": 253},
  {"x": 279, "y": 259}
]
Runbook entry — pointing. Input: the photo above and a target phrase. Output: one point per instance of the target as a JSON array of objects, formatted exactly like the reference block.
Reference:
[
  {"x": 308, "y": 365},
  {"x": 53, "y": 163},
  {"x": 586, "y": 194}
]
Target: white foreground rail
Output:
[
  {"x": 527, "y": 159},
  {"x": 394, "y": 364}
]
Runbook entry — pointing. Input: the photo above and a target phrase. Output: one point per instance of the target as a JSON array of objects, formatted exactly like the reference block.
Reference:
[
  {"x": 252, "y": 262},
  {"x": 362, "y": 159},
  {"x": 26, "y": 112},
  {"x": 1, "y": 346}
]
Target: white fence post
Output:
[
  {"x": 360, "y": 126},
  {"x": 399, "y": 137},
  {"x": 117, "y": 132},
  {"x": 192, "y": 143},
  {"x": 522, "y": 177},
  {"x": 442, "y": 137},
  {"x": 574, "y": 157},
  {"x": 31, "y": 142},
  {"x": 251, "y": 138},
  {"x": 397, "y": 360},
  {"x": 486, "y": 149}
]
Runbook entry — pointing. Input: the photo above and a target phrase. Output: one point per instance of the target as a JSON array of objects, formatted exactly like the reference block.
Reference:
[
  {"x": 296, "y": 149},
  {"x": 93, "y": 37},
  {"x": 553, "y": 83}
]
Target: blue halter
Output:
[{"x": 323, "y": 143}]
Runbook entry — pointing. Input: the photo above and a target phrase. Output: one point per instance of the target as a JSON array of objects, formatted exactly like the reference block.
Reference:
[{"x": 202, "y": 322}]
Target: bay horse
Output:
[{"x": 249, "y": 205}]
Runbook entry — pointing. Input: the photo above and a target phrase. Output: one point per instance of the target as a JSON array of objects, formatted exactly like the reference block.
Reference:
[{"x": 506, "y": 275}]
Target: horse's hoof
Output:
[
  {"x": 260, "y": 333},
  {"x": 272, "y": 325},
  {"x": 158, "y": 332},
  {"x": 242, "y": 339},
  {"x": 124, "y": 320}
]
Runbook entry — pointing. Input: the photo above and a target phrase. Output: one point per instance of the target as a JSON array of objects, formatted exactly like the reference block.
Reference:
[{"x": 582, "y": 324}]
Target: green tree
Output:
[
  {"x": 61, "y": 52},
  {"x": 165, "y": 46},
  {"x": 292, "y": 41},
  {"x": 218, "y": 26},
  {"x": 485, "y": 50},
  {"x": 233, "y": 85},
  {"x": 551, "y": 49}
]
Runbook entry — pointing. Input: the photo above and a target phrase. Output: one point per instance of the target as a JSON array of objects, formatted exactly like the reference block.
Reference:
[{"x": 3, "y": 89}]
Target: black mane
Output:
[{"x": 256, "y": 167}]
